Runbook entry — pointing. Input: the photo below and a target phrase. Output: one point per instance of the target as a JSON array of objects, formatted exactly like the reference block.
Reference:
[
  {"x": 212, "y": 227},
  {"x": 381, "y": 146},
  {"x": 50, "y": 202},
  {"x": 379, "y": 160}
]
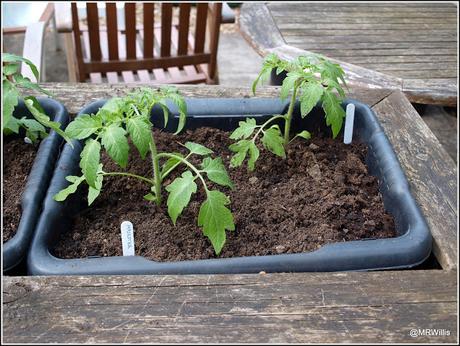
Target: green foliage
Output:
[
  {"x": 215, "y": 218},
  {"x": 13, "y": 82},
  {"x": 311, "y": 79},
  {"x": 128, "y": 118},
  {"x": 273, "y": 141},
  {"x": 180, "y": 192}
]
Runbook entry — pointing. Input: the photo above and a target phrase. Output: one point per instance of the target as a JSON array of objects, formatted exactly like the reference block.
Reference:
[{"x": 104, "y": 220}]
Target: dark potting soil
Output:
[
  {"x": 18, "y": 158},
  {"x": 320, "y": 194}
]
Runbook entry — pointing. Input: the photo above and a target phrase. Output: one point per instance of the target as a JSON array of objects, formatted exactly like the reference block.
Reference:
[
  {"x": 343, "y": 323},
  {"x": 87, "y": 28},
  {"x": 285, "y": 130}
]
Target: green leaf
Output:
[
  {"x": 12, "y": 125},
  {"x": 180, "y": 191},
  {"x": 150, "y": 197},
  {"x": 72, "y": 188},
  {"x": 114, "y": 105},
  {"x": 28, "y": 84},
  {"x": 139, "y": 128},
  {"x": 116, "y": 144},
  {"x": 334, "y": 112},
  {"x": 10, "y": 69},
  {"x": 170, "y": 164},
  {"x": 32, "y": 125},
  {"x": 240, "y": 148},
  {"x": 311, "y": 95},
  {"x": 93, "y": 192},
  {"x": 83, "y": 126},
  {"x": 244, "y": 129},
  {"x": 7, "y": 57},
  {"x": 274, "y": 141},
  {"x": 89, "y": 163},
  {"x": 38, "y": 113},
  {"x": 216, "y": 171},
  {"x": 198, "y": 149},
  {"x": 288, "y": 84},
  {"x": 304, "y": 134},
  {"x": 264, "y": 74},
  {"x": 10, "y": 101},
  {"x": 165, "y": 112},
  {"x": 173, "y": 94},
  {"x": 253, "y": 156},
  {"x": 215, "y": 218}
]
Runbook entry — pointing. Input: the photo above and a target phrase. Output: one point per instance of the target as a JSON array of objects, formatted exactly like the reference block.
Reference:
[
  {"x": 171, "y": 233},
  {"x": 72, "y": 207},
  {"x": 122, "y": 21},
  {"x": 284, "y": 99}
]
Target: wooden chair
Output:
[{"x": 160, "y": 53}]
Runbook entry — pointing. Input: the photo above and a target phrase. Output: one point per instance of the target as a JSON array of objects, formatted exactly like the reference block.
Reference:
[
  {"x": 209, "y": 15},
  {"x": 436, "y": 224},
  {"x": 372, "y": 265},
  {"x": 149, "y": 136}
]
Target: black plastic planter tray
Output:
[
  {"x": 411, "y": 247},
  {"x": 15, "y": 249}
]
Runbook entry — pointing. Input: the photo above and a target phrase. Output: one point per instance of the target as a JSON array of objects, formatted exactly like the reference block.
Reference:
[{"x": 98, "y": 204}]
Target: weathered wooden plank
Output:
[
  {"x": 404, "y": 59},
  {"x": 76, "y": 96},
  {"x": 431, "y": 172},
  {"x": 259, "y": 28},
  {"x": 364, "y": 31},
  {"x": 432, "y": 91},
  {"x": 427, "y": 74},
  {"x": 382, "y": 49},
  {"x": 366, "y": 7},
  {"x": 444, "y": 126},
  {"x": 322, "y": 15},
  {"x": 303, "y": 307}
]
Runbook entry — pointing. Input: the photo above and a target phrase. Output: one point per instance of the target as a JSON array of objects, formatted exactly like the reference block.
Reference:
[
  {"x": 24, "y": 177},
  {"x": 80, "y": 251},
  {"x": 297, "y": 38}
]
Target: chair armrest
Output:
[
  {"x": 63, "y": 15},
  {"x": 33, "y": 49}
]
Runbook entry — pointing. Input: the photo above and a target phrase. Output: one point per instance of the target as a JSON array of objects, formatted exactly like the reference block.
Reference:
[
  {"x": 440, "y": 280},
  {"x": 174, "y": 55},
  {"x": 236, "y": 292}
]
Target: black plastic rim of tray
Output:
[
  {"x": 15, "y": 249},
  {"x": 410, "y": 248}
]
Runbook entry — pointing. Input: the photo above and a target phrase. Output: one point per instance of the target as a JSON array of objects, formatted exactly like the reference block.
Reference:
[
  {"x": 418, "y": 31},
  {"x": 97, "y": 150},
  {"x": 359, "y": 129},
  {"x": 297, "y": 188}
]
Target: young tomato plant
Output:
[
  {"x": 129, "y": 116},
  {"x": 13, "y": 82},
  {"x": 311, "y": 79}
]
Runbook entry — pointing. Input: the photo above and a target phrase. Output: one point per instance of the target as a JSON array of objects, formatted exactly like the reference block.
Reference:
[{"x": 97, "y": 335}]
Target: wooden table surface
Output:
[
  {"x": 291, "y": 307},
  {"x": 408, "y": 46}
]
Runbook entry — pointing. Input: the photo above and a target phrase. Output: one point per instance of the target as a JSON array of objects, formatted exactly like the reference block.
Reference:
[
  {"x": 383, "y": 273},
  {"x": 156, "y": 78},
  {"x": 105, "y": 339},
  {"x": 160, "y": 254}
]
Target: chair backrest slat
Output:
[
  {"x": 166, "y": 21},
  {"x": 148, "y": 29},
  {"x": 171, "y": 46},
  {"x": 200, "y": 27},
  {"x": 112, "y": 30},
  {"x": 92, "y": 17},
  {"x": 130, "y": 27},
  {"x": 184, "y": 23}
]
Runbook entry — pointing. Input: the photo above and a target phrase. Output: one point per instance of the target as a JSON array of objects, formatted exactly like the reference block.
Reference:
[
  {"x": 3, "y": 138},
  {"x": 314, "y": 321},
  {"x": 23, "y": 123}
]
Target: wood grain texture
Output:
[
  {"x": 259, "y": 28},
  {"x": 282, "y": 308},
  {"x": 431, "y": 172},
  {"x": 403, "y": 42}
]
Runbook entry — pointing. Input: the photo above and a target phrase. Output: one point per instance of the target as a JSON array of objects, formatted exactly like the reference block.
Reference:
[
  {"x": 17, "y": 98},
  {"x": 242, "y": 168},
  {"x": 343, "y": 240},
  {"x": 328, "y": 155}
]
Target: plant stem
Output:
[
  {"x": 156, "y": 169},
  {"x": 192, "y": 167},
  {"x": 173, "y": 168},
  {"x": 129, "y": 175},
  {"x": 287, "y": 125},
  {"x": 266, "y": 123}
]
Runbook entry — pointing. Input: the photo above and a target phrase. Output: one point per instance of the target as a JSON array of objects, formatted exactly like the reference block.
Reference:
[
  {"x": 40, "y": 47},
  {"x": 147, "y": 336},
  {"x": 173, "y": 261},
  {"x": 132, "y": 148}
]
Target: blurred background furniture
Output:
[
  {"x": 31, "y": 19},
  {"x": 162, "y": 43}
]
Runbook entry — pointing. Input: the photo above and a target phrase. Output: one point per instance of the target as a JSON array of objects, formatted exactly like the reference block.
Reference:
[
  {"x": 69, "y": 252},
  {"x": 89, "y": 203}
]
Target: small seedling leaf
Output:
[
  {"x": 180, "y": 191},
  {"x": 116, "y": 144},
  {"x": 216, "y": 172},
  {"x": 198, "y": 149},
  {"x": 216, "y": 218}
]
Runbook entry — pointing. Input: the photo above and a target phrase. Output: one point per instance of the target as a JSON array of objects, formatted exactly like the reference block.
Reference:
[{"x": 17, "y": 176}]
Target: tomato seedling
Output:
[
  {"x": 13, "y": 82},
  {"x": 129, "y": 116},
  {"x": 311, "y": 79}
]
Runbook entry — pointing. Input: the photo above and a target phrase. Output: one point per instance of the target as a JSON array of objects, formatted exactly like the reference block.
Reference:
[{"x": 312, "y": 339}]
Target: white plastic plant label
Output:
[
  {"x": 349, "y": 120},
  {"x": 127, "y": 238}
]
